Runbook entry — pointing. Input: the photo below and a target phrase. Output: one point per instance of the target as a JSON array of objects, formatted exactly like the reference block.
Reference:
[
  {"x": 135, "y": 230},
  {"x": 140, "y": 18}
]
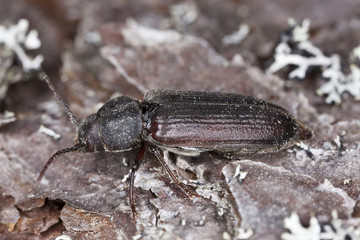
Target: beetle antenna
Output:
[
  {"x": 71, "y": 115},
  {"x": 60, "y": 152}
]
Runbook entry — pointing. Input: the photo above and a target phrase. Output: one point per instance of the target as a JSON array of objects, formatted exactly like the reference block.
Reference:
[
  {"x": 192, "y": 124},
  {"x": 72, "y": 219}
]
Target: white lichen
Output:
[
  {"x": 237, "y": 60},
  {"x": 236, "y": 37},
  {"x": 303, "y": 152},
  {"x": 226, "y": 236},
  {"x": 18, "y": 39},
  {"x": 296, "y": 50},
  {"x": 63, "y": 237},
  {"x": 347, "y": 181},
  {"x": 7, "y": 117},
  {"x": 334, "y": 230},
  {"x": 126, "y": 177},
  {"x": 201, "y": 222},
  {"x": 244, "y": 233},
  {"x": 239, "y": 175},
  {"x": 49, "y": 132},
  {"x": 183, "y": 222},
  {"x": 137, "y": 237},
  {"x": 339, "y": 82},
  {"x": 183, "y": 14}
]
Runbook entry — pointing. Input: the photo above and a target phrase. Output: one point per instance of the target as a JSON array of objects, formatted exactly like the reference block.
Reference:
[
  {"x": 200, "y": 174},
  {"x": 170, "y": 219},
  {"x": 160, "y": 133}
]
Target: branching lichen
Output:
[
  {"x": 334, "y": 230},
  {"x": 296, "y": 50},
  {"x": 17, "y": 38},
  {"x": 14, "y": 40},
  {"x": 339, "y": 82}
]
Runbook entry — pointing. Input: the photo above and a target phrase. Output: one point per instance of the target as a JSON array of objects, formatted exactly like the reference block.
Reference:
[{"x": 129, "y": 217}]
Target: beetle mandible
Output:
[{"x": 185, "y": 123}]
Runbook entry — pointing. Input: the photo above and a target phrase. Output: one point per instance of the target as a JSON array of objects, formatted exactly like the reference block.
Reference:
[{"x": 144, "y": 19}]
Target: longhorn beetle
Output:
[{"x": 185, "y": 123}]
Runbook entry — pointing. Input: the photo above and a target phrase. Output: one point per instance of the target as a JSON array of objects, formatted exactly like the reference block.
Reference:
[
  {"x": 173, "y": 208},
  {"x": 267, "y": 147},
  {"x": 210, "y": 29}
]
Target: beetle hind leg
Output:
[{"x": 190, "y": 194}]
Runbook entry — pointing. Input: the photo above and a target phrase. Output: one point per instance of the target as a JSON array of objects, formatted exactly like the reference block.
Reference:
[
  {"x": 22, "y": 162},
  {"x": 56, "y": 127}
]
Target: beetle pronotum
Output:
[{"x": 186, "y": 123}]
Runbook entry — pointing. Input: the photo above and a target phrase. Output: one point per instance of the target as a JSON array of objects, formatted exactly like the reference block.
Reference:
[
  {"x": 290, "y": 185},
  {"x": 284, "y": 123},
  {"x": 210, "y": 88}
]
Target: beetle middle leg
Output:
[
  {"x": 135, "y": 166},
  {"x": 182, "y": 186}
]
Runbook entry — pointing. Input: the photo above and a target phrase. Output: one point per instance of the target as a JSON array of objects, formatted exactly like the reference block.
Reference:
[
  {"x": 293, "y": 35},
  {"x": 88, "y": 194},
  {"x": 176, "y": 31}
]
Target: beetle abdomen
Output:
[{"x": 219, "y": 122}]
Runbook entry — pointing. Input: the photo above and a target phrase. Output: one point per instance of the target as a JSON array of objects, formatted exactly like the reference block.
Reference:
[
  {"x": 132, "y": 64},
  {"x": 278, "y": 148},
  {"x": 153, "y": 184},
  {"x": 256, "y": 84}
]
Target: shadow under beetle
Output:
[{"x": 185, "y": 123}]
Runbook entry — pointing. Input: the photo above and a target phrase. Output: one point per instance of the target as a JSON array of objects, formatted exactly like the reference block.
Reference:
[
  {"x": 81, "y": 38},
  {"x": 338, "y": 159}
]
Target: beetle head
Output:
[
  {"x": 87, "y": 139},
  {"x": 88, "y": 135}
]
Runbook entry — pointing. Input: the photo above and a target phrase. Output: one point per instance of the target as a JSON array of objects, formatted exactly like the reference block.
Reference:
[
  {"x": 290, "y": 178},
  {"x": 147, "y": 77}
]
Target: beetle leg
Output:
[
  {"x": 182, "y": 186},
  {"x": 135, "y": 166}
]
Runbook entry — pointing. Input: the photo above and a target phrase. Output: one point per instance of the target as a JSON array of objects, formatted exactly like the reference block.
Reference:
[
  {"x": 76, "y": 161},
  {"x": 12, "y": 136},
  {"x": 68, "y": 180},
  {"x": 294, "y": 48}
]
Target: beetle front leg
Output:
[
  {"x": 134, "y": 167},
  {"x": 182, "y": 186}
]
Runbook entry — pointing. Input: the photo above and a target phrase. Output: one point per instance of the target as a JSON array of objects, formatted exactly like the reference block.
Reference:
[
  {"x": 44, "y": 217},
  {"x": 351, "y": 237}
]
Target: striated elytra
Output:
[
  {"x": 192, "y": 122},
  {"x": 186, "y": 123}
]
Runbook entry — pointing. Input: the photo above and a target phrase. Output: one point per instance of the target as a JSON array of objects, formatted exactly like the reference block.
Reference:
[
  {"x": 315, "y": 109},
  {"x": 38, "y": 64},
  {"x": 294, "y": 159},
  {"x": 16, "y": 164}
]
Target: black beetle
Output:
[{"x": 186, "y": 123}]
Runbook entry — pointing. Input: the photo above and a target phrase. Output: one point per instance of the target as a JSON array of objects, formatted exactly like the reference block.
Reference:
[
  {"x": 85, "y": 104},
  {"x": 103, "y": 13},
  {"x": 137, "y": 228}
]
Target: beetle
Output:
[{"x": 186, "y": 123}]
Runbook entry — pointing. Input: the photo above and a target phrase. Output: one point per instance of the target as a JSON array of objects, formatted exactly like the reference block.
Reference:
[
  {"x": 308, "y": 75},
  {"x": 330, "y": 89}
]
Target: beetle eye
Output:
[{"x": 89, "y": 146}]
